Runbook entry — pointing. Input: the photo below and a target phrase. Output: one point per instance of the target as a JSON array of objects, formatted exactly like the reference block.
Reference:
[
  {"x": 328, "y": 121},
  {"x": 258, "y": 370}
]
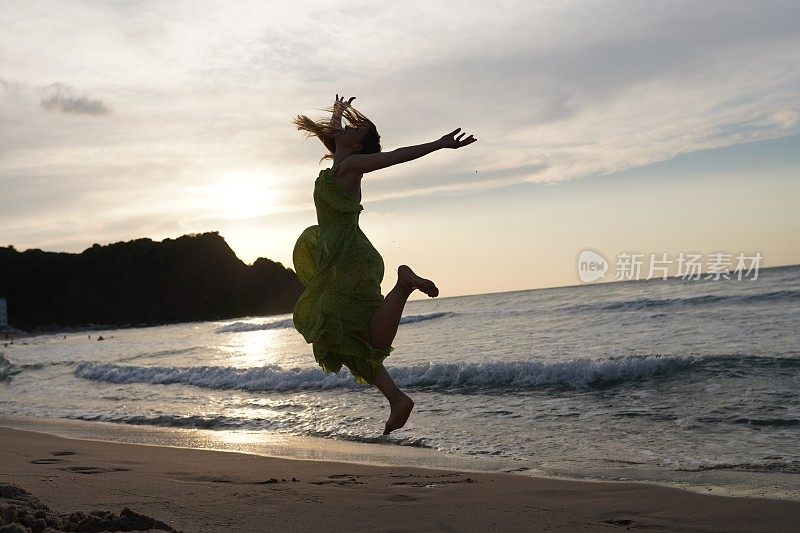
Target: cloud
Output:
[
  {"x": 64, "y": 99},
  {"x": 11, "y": 86},
  {"x": 786, "y": 118},
  {"x": 554, "y": 91}
]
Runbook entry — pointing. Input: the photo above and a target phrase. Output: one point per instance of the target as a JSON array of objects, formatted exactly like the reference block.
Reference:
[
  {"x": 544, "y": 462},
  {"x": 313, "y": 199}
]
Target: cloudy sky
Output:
[{"x": 616, "y": 126}]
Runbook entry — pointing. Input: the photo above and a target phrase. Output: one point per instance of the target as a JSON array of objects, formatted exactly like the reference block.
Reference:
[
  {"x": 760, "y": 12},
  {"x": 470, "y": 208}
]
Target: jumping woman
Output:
[{"x": 342, "y": 311}]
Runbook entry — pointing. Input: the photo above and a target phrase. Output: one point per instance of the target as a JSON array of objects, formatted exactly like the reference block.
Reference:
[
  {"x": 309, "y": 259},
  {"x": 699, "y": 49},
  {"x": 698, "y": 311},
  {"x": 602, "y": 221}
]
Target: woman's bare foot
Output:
[
  {"x": 401, "y": 410},
  {"x": 407, "y": 277}
]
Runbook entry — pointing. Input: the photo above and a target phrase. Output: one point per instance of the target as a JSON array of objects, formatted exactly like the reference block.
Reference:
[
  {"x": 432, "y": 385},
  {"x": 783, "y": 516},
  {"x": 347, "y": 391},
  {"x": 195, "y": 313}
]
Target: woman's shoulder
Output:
[
  {"x": 342, "y": 165},
  {"x": 331, "y": 170},
  {"x": 332, "y": 192},
  {"x": 345, "y": 173}
]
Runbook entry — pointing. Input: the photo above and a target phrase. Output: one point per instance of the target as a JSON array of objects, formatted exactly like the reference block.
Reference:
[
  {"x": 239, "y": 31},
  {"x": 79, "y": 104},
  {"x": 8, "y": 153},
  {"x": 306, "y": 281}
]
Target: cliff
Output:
[{"x": 142, "y": 282}]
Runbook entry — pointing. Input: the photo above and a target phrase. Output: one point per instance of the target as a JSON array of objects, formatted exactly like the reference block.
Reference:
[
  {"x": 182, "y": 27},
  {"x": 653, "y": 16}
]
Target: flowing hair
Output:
[{"x": 324, "y": 130}]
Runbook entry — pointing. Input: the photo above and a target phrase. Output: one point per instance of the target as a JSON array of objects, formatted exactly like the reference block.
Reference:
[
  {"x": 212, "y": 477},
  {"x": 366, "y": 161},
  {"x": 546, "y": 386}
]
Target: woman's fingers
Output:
[
  {"x": 465, "y": 141},
  {"x": 340, "y": 100},
  {"x": 453, "y": 141},
  {"x": 454, "y": 131}
]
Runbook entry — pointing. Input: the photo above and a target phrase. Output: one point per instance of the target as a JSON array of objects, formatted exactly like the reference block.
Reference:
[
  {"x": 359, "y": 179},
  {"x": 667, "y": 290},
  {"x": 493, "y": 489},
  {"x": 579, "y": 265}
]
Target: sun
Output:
[{"x": 240, "y": 194}]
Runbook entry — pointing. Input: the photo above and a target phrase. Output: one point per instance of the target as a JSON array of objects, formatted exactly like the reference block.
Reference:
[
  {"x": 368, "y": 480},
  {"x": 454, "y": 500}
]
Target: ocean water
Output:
[{"x": 670, "y": 376}]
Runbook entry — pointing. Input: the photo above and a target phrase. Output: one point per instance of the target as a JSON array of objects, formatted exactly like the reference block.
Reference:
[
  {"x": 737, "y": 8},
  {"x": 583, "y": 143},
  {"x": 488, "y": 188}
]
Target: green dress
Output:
[{"x": 342, "y": 273}]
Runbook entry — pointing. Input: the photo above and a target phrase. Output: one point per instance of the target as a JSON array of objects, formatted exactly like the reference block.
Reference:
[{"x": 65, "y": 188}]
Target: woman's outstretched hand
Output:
[
  {"x": 339, "y": 105},
  {"x": 451, "y": 141}
]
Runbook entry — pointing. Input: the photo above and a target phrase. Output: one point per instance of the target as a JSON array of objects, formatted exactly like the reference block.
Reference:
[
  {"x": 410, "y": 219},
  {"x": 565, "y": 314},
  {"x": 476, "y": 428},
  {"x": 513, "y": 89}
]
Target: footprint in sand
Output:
[
  {"x": 630, "y": 524},
  {"x": 273, "y": 480},
  {"x": 450, "y": 474},
  {"x": 50, "y": 460},
  {"x": 618, "y": 522},
  {"x": 93, "y": 469},
  {"x": 47, "y": 461},
  {"x": 193, "y": 478},
  {"x": 340, "y": 479},
  {"x": 434, "y": 483},
  {"x": 400, "y": 498}
]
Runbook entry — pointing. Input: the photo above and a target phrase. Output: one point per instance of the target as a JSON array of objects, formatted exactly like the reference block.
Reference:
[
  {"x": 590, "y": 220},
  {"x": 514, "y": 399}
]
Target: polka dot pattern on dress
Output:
[{"x": 342, "y": 272}]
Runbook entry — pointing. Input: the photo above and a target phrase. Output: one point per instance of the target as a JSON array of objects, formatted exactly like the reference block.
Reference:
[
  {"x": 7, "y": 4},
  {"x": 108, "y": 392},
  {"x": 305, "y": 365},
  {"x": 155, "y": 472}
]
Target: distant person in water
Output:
[{"x": 342, "y": 311}]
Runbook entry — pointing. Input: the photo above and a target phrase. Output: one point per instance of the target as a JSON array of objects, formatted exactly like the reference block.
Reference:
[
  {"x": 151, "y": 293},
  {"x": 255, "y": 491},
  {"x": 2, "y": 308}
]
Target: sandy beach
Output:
[{"x": 203, "y": 490}]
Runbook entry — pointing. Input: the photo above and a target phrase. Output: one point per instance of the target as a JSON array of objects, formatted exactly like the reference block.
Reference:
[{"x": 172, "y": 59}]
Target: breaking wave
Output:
[
  {"x": 648, "y": 303},
  {"x": 501, "y": 375}
]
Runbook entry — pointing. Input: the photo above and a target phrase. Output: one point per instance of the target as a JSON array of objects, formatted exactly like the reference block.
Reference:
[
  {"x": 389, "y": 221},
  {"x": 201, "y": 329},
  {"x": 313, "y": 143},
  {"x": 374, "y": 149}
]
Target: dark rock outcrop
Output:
[
  {"x": 142, "y": 282},
  {"x": 22, "y": 512}
]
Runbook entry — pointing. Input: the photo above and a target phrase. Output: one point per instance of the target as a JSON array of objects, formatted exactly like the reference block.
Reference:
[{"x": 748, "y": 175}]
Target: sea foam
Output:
[{"x": 576, "y": 374}]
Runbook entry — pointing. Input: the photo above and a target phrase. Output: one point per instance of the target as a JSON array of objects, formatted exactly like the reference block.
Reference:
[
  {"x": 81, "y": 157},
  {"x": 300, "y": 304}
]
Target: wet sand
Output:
[{"x": 204, "y": 490}]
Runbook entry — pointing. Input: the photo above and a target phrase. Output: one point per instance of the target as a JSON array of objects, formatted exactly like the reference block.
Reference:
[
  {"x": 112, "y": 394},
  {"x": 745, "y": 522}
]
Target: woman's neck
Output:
[{"x": 341, "y": 155}]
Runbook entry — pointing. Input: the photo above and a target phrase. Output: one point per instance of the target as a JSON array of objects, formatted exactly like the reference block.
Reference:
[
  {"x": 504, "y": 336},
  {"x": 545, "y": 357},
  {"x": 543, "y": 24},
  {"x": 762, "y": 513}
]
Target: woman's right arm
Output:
[
  {"x": 338, "y": 108},
  {"x": 363, "y": 163}
]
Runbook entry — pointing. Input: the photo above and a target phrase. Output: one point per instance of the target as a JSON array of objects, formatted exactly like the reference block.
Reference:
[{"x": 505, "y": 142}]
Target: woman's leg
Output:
[
  {"x": 385, "y": 320},
  {"x": 383, "y": 328},
  {"x": 399, "y": 402}
]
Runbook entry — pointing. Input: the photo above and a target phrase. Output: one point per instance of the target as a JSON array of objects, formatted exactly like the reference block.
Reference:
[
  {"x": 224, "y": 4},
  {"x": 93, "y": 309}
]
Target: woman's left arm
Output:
[{"x": 363, "y": 163}]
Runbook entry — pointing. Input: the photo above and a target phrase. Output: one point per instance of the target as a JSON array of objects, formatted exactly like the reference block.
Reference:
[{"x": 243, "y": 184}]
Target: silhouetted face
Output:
[{"x": 351, "y": 136}]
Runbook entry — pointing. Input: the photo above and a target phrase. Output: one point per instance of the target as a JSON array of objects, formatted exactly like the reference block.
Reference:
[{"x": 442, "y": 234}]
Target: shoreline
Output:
[
  {"x": 385, "y": 453},
  {"x": 12, "y": 334},
  {"x": 210, "y": 490},
  {"x": 382, "y": 452},
  {"x": 71, "y": 330}
]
